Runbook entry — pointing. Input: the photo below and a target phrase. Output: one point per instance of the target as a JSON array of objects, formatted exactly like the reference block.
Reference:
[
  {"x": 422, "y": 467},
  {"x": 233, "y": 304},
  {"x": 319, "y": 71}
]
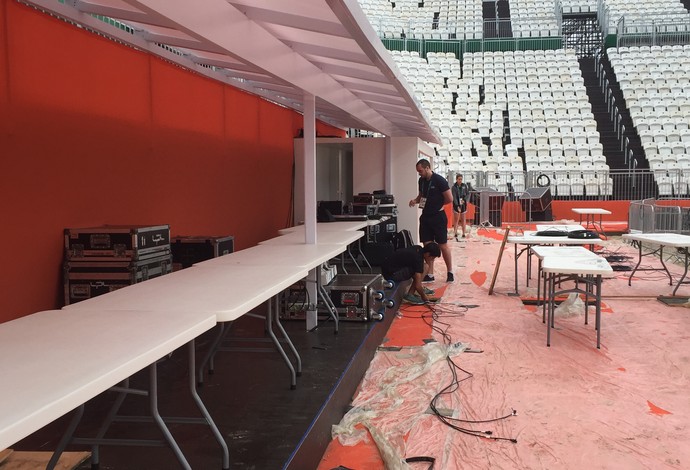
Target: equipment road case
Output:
[
  {"x": 130, "y": 242},
  {"x": 356, "y": 296},
  {"x": 188, "y": 250},
  {"x": 86, "y": 279}
]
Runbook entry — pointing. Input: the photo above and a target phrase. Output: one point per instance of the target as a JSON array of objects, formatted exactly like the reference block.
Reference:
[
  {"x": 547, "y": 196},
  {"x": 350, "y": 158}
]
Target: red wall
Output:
[{"x": 93, "y": 132}]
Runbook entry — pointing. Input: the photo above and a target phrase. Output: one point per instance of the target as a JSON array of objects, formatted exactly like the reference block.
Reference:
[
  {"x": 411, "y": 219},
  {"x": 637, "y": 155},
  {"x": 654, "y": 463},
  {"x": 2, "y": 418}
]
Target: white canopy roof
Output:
[{"x": 278, "y": 49}]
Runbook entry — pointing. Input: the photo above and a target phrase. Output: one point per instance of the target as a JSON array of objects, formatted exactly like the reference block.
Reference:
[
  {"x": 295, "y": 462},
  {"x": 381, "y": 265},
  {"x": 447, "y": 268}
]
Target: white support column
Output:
[
  {"x": 388, "y": 170},
  {"x": 309, "y": 168},
  {"x": 310, "y": 200}
]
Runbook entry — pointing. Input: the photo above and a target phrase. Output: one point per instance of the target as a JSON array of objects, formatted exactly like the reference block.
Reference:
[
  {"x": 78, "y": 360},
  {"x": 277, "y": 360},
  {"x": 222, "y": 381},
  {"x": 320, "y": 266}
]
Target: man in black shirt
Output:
[
  {"x": 434, "y": 193},
  {"x": 407, "y": 263}
]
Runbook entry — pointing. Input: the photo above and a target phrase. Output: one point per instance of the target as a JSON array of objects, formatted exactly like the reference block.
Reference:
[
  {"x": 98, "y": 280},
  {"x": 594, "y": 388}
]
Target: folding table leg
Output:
[
  {"x": 211, "y": 353},
  {"x": 597, "y": 319},
  {"x": 279, "y": 347},
  {"x": 66, "y": 438},
  {"x": 200, "y": 404},
  {"x": 330, "y": 306},
  {"x": 285, "y": 335},
  {"x": 549, "y": 317},
  {"x": 685, "y": 273}
]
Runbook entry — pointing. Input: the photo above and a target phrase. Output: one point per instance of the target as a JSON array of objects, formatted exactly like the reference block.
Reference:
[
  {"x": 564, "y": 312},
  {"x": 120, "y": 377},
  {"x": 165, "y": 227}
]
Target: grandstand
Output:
[{"x": 521, "y": 88}]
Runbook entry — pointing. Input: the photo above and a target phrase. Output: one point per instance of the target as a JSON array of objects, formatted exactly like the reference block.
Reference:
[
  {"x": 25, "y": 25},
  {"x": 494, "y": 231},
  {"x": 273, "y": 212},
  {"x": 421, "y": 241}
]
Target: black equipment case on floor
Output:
[
  {"x": 86, "y": 279},
  {"x": 354, "y": 295},
  {"x": 187, "y": 251},
  {"x": 129, "y": 242}
]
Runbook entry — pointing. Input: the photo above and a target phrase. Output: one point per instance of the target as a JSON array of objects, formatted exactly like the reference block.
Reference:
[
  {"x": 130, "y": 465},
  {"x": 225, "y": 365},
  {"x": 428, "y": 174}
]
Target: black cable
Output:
[
  {"x": 424, "y": 458},
  {"x": 433, "y": 320}
]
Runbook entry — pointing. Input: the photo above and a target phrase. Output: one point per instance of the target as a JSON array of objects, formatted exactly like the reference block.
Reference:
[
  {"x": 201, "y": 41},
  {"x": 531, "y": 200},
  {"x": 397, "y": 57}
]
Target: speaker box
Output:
[
  {"x": 536, "y": 199},
  {"x": 334, "y": 207}
]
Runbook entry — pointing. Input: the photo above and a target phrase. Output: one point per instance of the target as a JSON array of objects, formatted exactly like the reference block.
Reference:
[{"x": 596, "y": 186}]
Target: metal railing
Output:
[
  {"x": 648, "y": 216},
  {"x": 652, "y": 33},
  {"x": 508, "y": 191}
]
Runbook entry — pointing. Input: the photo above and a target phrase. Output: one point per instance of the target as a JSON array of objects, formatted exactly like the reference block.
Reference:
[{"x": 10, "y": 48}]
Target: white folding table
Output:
[
  {"x": 673, "y": 240},
  {"x": 300, "y": 255},
  {"x": 530, "y": 239},
  {"x": 591, "y": 214},
  {"x": 54, "y": 361},
  {"x": 338, "y": 226},
  {"x": 588, "y": 271},
  {"x": 541, "y": 252},
  {"x": 324, "y": 237},
  {"x": 228, "y": 292}
]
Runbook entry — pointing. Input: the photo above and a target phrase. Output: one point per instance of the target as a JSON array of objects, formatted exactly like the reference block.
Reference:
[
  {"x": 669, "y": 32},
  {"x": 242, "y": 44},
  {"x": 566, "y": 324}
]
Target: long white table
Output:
[
  {"x": 661, "y": 240},
  {"x": 227, "y": 291},
  {"x": 589, "y": 271},
  {"x": 298, "y": 255},
  {"x": 326, "y": 237},
  {"x": 55, "y": 361},
  {"x": 339, "y": 226}
]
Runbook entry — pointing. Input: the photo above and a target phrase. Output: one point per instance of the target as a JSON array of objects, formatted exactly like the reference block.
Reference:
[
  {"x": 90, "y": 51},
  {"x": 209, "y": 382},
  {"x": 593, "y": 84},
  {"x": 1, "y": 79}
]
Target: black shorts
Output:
[
  {"x": 433, "y": 227},
  {"x": 461, "y": 209}
]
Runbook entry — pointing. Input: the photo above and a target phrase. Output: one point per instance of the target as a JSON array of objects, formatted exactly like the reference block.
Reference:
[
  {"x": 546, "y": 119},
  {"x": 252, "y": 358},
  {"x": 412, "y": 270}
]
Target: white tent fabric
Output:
[{"x": 280, "y": 50}]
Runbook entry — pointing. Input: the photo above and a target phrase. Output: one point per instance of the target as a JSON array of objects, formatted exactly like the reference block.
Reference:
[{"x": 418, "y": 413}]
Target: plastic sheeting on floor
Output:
[{"x": 625, "y": 406}]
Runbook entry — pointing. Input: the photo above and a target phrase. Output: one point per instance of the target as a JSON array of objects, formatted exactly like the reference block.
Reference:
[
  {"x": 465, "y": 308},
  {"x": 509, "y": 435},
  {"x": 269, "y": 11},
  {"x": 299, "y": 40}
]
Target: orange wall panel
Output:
[
  {"x": 185, "y": 101},
  {"x": 98, "y": 133},
  {"x": 73, "y": 70}
]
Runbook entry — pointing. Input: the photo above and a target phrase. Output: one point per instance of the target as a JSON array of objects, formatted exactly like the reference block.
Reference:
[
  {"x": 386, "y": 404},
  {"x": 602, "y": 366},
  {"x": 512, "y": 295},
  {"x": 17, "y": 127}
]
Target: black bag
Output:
[
  {"x": 402, "y": 239},
  {"x": 552, "y": 233},
  {"x": 583, "y": 234}
]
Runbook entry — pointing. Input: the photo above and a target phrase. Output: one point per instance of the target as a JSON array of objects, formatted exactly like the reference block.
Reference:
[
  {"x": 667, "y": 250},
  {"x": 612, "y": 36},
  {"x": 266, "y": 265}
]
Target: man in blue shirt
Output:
[
  {"x": 408, "y": 263},
  {"x": 434, "y": 193}
]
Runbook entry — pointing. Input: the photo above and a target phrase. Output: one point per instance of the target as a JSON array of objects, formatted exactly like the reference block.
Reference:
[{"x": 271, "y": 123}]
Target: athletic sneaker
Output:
[
  {"x": 428, "y": 278},
  {"x": 428, "y": 291},
  {"x": 412, "y": 299},
  {"x": 450, "y": 277}
]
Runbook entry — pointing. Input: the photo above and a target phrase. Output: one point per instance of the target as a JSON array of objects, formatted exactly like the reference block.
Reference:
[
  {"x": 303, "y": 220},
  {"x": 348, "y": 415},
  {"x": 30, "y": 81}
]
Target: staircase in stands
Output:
[{"x": 623, "y": 187}]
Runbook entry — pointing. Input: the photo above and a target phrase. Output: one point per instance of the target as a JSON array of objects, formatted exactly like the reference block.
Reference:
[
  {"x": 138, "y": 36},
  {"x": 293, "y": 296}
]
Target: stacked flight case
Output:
[
  {"x": 99, "y": 260},
  {"x": 189, "y": 250}
]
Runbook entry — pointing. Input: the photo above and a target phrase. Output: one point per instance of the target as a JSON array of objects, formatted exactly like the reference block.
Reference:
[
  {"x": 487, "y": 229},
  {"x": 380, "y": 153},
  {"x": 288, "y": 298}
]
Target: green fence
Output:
[{"x": 458, "y": 47}]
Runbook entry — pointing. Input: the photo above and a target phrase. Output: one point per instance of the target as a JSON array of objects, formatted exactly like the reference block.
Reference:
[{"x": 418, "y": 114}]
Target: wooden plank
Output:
[
  {"x": 39, "y": 460},
  {"x": 4, "y": 454},
  {"x": 498, "y": 261}
]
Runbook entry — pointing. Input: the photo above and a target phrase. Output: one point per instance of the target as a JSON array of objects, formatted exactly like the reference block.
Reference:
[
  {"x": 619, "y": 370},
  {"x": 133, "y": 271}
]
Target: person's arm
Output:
[
  {"x": 415, "y": 201},
  {"x": 447, "y": 197},
  {"x": 417, "y": 286}
]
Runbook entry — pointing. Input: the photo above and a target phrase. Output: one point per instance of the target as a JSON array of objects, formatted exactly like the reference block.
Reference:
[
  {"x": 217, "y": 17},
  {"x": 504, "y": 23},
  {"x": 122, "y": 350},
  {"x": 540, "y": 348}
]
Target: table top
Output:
[
  {"x": 591, "y": 211},
  {"x": 303, "y": 256},
  {"x": 340, "y": 226},
  {"x": 228, "y": 291},
  {"x": 531, "y": 237},
  {"x": 577, "y": 265},
  {"x": 564, "y": 251},
  {"x": 322, "y": 237},
  {"x": 666, "y": 239},
  {"x": 53, "y": 361}
]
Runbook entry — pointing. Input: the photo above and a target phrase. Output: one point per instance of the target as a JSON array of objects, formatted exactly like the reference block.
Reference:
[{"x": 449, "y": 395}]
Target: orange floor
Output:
[{"x": 624, "y": 406}]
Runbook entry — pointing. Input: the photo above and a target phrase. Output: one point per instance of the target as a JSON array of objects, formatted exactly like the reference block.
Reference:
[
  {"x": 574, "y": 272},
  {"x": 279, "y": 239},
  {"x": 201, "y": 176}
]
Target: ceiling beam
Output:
[{"x": 222, "y": 24}]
